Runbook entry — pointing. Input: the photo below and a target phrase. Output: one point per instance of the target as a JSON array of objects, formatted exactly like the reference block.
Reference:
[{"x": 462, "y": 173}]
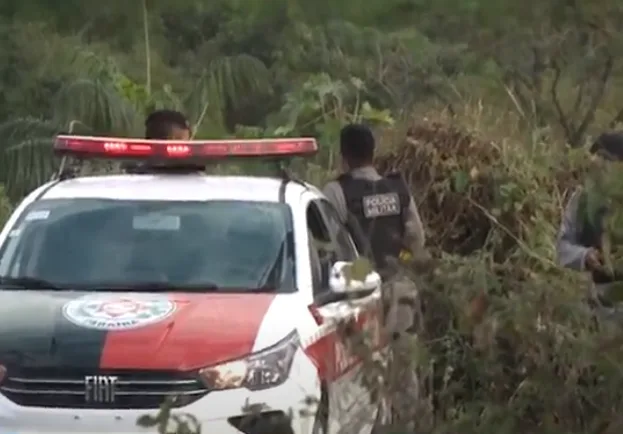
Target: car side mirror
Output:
[{"x": 341, "y": 282}]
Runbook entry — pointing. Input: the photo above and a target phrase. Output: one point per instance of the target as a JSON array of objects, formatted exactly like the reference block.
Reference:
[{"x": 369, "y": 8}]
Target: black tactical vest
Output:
[
  {"x": 590, "y": 236},
  {"x": 380, "y": 209}
]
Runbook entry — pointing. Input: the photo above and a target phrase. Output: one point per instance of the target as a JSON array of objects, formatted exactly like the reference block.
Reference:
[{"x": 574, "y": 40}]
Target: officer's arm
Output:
[
  {"x": 570, "y": 253},
  {"x": 335, "y": 195},
  {"x": 414, "y": 229}
]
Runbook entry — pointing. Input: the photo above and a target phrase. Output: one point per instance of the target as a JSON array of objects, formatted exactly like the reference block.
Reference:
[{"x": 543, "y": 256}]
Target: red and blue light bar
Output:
[{"x": 118, "y": 148}]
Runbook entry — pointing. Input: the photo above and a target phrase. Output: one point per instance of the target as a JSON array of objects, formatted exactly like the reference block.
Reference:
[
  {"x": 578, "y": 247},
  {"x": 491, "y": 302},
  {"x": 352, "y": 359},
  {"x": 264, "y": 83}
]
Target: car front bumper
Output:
[{"x": 284, "y": 409}]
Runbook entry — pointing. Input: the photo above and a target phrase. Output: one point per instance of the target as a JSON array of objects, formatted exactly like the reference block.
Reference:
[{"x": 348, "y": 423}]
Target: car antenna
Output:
[
  {"x": 285, "y": 173},
  {"x": 68, "y": 169}
]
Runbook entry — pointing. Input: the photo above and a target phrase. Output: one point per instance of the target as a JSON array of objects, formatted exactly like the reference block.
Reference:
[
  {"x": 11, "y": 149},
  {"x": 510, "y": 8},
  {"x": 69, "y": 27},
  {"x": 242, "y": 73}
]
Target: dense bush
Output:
[
  {"x": 506, "y": 342},
  {"x": 504, "y": 349}
]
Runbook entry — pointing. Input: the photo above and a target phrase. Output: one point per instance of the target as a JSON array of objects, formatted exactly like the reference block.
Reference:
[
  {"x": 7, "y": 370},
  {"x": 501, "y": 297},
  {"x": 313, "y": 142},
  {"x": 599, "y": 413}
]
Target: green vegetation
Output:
[
  {"x": 603, "y": 190},
  {"x": 484, "y": 105}
]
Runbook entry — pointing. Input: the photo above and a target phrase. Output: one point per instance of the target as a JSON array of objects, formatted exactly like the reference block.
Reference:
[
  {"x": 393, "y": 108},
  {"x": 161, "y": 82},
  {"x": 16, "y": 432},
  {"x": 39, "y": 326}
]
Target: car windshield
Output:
[{"x": 82, "y": 243}]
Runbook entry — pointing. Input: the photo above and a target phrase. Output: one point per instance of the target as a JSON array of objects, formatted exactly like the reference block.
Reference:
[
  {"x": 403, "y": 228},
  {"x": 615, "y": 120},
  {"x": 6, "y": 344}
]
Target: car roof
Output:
[{"x": 196, "y": 186}]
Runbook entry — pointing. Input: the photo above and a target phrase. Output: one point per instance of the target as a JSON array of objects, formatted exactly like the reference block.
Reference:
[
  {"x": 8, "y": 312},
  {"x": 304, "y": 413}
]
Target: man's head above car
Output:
[{"x": 167, "y": 125}]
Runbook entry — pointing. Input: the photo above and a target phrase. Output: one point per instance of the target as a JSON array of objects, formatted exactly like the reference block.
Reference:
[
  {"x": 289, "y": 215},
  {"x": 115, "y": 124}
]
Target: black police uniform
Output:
[{"x": 379, "y": 207}]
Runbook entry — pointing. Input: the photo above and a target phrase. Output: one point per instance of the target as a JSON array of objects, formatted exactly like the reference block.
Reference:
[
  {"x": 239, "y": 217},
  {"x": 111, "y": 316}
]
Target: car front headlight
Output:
[{"x": 262, "y": 370}]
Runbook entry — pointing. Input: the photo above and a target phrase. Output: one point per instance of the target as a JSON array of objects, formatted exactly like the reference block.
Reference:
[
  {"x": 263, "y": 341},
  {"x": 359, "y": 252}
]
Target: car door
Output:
[
  {"x": 359, "y": 337},
  {"x": 329, "y": 311}
]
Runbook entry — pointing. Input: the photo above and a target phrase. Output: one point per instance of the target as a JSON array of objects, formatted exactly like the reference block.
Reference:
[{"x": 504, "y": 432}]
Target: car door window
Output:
[
  {"x": 322, "y": 254},
  {"x": 345, "y": 247}
]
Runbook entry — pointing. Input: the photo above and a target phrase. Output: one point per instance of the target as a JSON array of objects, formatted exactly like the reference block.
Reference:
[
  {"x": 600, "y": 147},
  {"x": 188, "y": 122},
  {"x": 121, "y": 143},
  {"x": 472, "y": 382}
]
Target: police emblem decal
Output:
[
  {"x": 381, "y": 205},
  {"x": 118, "y": 312}
]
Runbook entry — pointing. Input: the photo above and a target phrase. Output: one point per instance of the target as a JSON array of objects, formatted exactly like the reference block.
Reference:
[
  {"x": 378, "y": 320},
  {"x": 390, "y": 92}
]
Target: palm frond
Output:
[
  {"x": 87, "y": 63},
  {"x": 20, "y": 126},
  {"x": 98, "y": 105},
  {"x": 28, "y": 159},
  {"x": 164, "y": 98},
  {"x": 233, "y": 78}
]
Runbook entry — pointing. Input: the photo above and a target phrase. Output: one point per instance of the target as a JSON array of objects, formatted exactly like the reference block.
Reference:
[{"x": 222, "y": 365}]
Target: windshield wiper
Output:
[
  {"x": 150, "y": 287},
  {"x": 26, "y": 282}
]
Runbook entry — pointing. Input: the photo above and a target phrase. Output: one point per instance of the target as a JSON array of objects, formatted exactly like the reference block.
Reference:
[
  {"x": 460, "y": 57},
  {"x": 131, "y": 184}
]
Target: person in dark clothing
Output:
[
  {"x": 385, "y": 216},
  {"x": 167, "y": 125},
  {"x": 579, "y": 244},
  {"x": 382, "y": 207},
  {"x": 382, "y": 212}
]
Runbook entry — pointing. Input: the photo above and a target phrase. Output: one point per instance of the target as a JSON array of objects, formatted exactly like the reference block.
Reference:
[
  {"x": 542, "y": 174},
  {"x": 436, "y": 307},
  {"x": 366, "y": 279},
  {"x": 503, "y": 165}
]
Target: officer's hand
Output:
[{"x": 593, "y": 260}]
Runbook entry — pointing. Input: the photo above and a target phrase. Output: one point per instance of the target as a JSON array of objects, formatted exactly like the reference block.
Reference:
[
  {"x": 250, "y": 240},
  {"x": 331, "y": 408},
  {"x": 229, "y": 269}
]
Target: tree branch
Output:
[
  {"x": 617, "y": 119},
  {"x": 562, "y": 119},
  {"x": 597, "y": 97}
]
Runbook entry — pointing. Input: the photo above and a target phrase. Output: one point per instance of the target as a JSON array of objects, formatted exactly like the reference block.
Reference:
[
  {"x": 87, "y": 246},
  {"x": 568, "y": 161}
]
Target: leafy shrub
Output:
[
  {"x": 5, "y": 206},
  {"x": 599, "y": 206},
  {"x": 502, "y": 349},
  {"x": 505, "y": 342},
  {"x": 477, "y": 194}
]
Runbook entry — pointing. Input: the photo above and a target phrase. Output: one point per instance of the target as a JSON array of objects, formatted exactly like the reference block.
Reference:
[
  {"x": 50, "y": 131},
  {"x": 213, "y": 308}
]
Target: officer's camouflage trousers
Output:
[
  {"x": 402, "y": 304},
  {"x": 401, "y": 300}
]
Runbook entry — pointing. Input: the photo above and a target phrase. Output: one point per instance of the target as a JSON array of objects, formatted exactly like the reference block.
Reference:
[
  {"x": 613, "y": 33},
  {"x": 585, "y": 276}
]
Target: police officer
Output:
[
  {"x": 382, "y": 207},
  {"x": 381, "y": 210},
  {"x": 579, "y": 244}
]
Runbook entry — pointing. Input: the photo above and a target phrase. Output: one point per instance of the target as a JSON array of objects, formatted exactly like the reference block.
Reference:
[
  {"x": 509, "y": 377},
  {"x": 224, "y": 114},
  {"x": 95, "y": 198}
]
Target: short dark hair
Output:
[
  {"x": 357, "y": 144},
  {"x": 159, "y": 123},
  {"x": 609, "y": 145}
]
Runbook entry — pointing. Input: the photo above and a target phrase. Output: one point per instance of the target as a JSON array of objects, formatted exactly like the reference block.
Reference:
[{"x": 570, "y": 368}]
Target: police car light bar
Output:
[{"x": 116, "y": 148}]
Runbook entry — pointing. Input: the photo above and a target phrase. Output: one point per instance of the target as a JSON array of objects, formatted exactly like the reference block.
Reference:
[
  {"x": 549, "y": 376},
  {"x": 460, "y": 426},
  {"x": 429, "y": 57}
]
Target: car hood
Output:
[{"x": 179, "y": 331}]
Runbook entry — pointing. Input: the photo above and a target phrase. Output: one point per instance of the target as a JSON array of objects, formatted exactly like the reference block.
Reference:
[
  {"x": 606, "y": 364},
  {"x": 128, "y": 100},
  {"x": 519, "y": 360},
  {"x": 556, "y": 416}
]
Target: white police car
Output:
[{"x": 119, "y": 291}]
